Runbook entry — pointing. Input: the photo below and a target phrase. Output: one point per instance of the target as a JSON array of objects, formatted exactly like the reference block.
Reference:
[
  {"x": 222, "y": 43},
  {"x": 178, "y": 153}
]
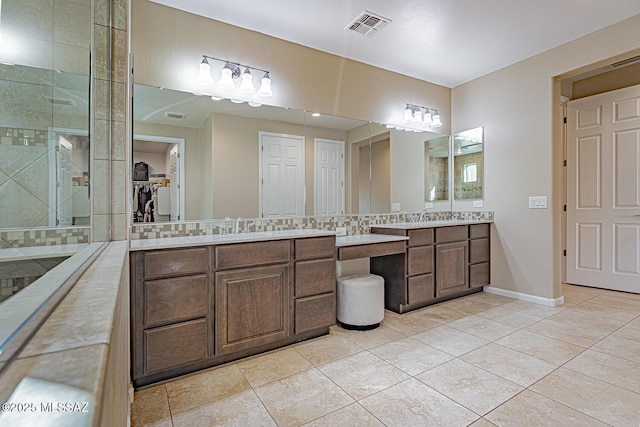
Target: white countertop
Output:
[
  {"x": 367, "y": 239},
  {"x": 38, "y": 252},
  {"x": 431, "y": 224},
  {"x": 217, "y": 239}
]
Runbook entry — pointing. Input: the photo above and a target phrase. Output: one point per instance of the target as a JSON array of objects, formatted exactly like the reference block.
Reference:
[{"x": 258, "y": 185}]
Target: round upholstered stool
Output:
[{"x": 360, "y": 301}]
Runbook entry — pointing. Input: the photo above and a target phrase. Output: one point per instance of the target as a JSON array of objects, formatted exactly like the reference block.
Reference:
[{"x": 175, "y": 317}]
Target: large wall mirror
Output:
[
  {"x": 468, "y": 164},
  {"x": 197, "y": 158}
]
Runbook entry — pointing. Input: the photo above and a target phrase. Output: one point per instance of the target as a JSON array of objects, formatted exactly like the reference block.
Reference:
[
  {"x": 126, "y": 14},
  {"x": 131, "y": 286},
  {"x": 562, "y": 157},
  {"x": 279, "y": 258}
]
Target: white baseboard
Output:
[{"x": 524, "y": 297}]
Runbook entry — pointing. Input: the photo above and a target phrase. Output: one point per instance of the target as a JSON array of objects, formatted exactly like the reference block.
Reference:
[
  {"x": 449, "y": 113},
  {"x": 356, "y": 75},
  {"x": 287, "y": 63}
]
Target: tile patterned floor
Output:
[{"x": 483, "y": 360}]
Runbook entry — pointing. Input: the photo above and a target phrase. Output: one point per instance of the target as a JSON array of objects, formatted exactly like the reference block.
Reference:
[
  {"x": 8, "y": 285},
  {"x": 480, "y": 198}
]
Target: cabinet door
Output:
[
  {"x": 318, "y": 311},
  {"x": 175, "y": 345},
  {"x": 420, "y": 289},
  {"x": 252, "y": 307},
  {"x": 451, "y": 268},
  {"x": 420, "y": 260}
]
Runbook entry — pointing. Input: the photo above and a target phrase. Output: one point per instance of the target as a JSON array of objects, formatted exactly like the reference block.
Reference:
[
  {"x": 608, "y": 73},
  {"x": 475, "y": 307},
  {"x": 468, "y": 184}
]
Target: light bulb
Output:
[
  {"x": 265, "y": 86},
  {"x": 436, "y": 121},
  {"x": 204, "y": 75},
  {"x": 226, "y": 79},
  {"x": 408, "y": 115},
  {"x": 247, "y": 82},
  {"x": 417, "y": 117},
  {"x": 426, "y": 120}
]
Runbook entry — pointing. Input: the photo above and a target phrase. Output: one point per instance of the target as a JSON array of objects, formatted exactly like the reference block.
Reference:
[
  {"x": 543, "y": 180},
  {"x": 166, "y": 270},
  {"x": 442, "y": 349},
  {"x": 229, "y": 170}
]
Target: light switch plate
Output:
[
  {"x": 341, "y": 231},
  {"x": 537, "y": 202},
  {"x": 477, "y": 203},
  {"x": 395, "y": 207}
]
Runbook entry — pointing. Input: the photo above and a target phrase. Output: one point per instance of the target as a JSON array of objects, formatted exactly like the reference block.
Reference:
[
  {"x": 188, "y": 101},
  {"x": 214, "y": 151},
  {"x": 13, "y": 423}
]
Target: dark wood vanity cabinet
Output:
[
  {"x": 198, "y": 307},
  {"x": 439, "y": 263}
]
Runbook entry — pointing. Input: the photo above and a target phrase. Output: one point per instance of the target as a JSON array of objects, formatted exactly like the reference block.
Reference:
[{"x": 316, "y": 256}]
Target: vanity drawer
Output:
[
  {"x": 174, "y": 262},
  {"x": 173, "y": 300},
  {"x": 478, "y": 230},
  {"x": 315, "y": 312},
  {"x": 315, "y": 277},
  {"x": 479, "y": 274},
  {"x": 421, "y": 237},
  {"x": 251, "y": 254},
  {"x": 175, "y": 345},
  {"x": 420, "y": 260},
  {"x": 452, "y": 234},
  {"x": 420, "y": 289},
  {"x": 478, "y": 250},
  {"x": 316, "y": 247}
]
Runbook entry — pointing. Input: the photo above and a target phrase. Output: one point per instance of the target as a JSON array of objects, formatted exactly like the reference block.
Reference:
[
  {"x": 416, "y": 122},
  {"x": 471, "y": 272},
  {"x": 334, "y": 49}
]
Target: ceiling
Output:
[{"x": 447, "y": 42}]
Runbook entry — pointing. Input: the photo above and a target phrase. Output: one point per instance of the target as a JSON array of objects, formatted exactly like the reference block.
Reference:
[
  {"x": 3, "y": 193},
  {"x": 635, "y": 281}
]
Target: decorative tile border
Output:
[
  {"x": 355, "y": 224},
  {"x": 24, "y": 137},
  {"x": 43, "y": 237}
]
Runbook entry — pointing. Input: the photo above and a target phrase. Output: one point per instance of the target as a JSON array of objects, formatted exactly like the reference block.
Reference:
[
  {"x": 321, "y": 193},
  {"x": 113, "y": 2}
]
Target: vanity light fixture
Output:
[
  {"x": 232, "y": 71},
  {"x": 418, "y": 118}
]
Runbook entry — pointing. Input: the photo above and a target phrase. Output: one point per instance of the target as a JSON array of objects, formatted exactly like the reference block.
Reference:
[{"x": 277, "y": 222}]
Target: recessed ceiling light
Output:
[{"x": 316, "y": 114}]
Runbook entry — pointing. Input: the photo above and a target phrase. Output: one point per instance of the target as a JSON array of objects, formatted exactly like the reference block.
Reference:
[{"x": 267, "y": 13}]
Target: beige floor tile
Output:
[
  {"x": 470, "y": 386},
  {"x": 566, "y": 332},
  {"x": 605, "y": 311},
  {"x": 598, "y": 399},
  {"x": 619, "y": 300},
  {"x": 619, "y": 346},
  {"x": 533, "y": 410},
  {"x": 623, "y": 295},
  {"x": 440, "y": 313},
  {"x": 327, "y": 349},
  {"x": 362, "y": 374},
  {"x": 242, "y": 409},
  {"x": 149, "y": 405},
  {"x": 372, "y": 338},
  {"x": 533, "y": 309},
  {"x": 510, "y": 317},
  {"x": 412, "y": 403},
  {"x": 511, "y": 365},
  {"x": 587, "y": 321},
  {"x": 491, "y": 299},
  {"x": 302, "y": 398},
  {"x": 409, "y": 324},
  {"x": 630, "y": 331},
  {"x": 583, "y": 289},
  {"x": 467, "y": 306},
  {"x": 165, "y": 422},
  {"x": 616, "y": 371},
  {"x": 450, "y": 340},
  {"x": 205, "y": 387},
  {"x": 410, "y": 355},
  {"x": 482, "y": 423},
  {"x": 273, "y": 366},
  {"x": 541, "y": 347},
  {"x": 353, "y": 415},
  {"x": 482, "y": 328}
]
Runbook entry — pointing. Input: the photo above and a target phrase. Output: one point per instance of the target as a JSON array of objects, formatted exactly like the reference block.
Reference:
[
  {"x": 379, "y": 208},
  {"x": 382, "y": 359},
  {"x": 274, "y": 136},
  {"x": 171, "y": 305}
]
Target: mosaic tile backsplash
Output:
[
  {"x": 43, "y": 237},
  {"x": 355, "y": 224}
]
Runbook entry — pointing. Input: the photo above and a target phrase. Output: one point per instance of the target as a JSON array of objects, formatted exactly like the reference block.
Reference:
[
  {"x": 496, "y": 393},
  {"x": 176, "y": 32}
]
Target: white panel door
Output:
[
  {"x": 64, "y": 193},
  {"x": 329, "y": 177},
  {"x": 603, "y": 190},
  {"x": 174, "y": 180},
  {"x": 281, "y": 175}
]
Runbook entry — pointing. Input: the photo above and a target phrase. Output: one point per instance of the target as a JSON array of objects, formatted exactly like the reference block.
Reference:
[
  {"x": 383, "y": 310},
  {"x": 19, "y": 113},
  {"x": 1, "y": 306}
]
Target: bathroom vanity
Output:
[
  {"x": 441, "y": 260},
  {"x": 201, "y": 301}
]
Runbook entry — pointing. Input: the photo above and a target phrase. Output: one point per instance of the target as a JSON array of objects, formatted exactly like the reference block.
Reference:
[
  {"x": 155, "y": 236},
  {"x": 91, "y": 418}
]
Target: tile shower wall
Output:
[
  {"x": 355, "y": 224},
  {"x": 43, "y": 237},
  {"x": 468, "y": 190}
]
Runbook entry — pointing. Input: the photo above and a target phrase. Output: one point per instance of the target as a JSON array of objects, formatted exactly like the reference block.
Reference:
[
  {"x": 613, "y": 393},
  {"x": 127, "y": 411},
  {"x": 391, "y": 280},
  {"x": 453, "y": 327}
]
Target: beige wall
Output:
[
  {"x": 168, "y": 46},
  {"x": 612, "y": 80},
  {"x": 519, "y": 106}
]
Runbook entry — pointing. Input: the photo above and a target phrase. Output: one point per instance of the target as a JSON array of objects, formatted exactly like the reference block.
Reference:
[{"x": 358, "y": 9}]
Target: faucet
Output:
[
  {"x": 423, "y": 216},
  {"x": 236, "y": 229}
]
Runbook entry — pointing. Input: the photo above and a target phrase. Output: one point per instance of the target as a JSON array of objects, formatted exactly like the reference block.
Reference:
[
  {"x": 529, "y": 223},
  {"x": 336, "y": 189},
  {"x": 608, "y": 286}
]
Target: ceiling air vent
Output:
[
  {"x": 624, "y": 62},
  {"x": 367, "y": 23},
  {"x": 178, "y": 116},
  {"x": 60, "y": 101}
]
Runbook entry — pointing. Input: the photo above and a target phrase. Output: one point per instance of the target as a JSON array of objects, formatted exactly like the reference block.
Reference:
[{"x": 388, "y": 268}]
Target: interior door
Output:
[
  {"x": 282, "y": 190},
  {"x": 329, "y": 177},
  {"x": 64, "y": 193},
  {"x": 603, "y": 190},
  {"x": 174, "y": 187}
]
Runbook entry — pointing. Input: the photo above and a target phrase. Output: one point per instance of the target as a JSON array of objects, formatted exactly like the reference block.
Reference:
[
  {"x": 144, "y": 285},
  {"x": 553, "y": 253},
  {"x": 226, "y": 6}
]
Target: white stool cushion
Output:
[{"x": 360, "y": 299}]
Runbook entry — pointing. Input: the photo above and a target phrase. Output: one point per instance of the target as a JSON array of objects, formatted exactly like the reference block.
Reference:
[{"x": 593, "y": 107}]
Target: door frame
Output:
[{"x": 180, "y": 142}]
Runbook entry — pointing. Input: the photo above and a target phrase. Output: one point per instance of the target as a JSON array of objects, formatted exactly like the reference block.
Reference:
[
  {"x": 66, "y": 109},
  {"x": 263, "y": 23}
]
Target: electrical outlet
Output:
[
  {"x": 428, "y": 205},
  {"x": 537, "y": 202},
  {"x": 341, "y": 231},
  {"x": 477, "y": 203},
  {"x": 395, "y": 207}
]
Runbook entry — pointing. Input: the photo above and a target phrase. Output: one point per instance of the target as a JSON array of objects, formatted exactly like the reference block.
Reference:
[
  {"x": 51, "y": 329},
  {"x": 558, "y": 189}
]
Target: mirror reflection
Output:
[
  {"x": 436, "y": 164},
  {"x": 44, "y": 147},
  {"x": 468, "y": 169},
  {"x": 199, "y": 158}
]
